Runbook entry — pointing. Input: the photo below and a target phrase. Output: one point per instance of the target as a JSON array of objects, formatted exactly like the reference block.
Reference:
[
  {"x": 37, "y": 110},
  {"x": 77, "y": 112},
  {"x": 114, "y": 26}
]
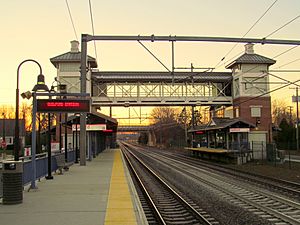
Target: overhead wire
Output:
[
  {"x": 70, "y": 15},
  {"x": 280, "y": 54},
  {"x": 278, "y": 29},
  {"x": 276, "y": 89},
  {"x": 265, "y": 74},
  {"x": 240, "y": 53},
  {"x": 287, "y": 63},
  {"x": 93, "y": 30},
  {"x": 286, "y": 51},
  {"x": 256, "y": 22}
]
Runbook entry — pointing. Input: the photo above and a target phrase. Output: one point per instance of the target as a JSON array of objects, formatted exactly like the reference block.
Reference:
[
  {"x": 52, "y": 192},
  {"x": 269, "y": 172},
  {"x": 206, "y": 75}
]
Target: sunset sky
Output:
[{"x": 43, "y": 29}]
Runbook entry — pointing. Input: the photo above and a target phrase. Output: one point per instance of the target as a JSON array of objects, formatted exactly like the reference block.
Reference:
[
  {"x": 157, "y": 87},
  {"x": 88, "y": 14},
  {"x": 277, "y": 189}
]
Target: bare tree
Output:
[
  {"x": 167, "y": 129},
  {"x": 8, "y": 112},
  {"x": 164, "y": 114},
  {"x": 280, "y": 111},
  {"x": 26, "y": 111}
]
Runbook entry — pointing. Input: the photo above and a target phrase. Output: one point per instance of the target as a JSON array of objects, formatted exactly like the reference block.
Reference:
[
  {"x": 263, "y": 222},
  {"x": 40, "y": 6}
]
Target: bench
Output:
[{"x": 61, "y": 163}]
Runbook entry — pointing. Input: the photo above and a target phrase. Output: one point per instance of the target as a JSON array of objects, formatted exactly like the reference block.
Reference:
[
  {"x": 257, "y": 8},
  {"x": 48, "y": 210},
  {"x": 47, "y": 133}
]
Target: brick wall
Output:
[{"x": 244, "y": 104}]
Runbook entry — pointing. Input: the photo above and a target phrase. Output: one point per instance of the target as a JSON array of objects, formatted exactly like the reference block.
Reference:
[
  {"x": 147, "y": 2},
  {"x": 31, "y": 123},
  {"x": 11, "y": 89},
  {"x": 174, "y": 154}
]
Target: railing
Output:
[
  {"x": 41, "y": 165},
  {"x": 240, "y": 147}
]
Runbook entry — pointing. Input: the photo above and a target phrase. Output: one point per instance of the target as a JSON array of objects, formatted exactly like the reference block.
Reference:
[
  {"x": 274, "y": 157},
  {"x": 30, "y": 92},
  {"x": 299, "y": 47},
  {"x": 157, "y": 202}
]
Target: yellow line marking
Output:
[{"x": 119, "y": 209}]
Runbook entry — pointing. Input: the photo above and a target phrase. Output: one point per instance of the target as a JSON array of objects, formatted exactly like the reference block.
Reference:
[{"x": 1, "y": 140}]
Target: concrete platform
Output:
[{"x": 80, "y": 197}]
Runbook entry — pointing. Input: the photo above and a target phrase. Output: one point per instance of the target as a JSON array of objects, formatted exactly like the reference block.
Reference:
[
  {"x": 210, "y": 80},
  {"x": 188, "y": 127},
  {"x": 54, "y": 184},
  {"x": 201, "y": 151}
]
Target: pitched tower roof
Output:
[
  {"x": 72, "y": 56},
  {"x": 249, "y": 57}
]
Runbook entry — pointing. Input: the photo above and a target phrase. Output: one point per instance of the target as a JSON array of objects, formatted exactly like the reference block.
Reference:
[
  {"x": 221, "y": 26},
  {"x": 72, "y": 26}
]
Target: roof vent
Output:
[
  {"x": 249, "y": 48},
  {"x": 74, "y": 46}
]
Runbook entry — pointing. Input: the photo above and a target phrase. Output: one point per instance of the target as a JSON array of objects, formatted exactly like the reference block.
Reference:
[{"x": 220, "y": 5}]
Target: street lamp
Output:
[
  {"x": 39, "y": 86},
  {"x": 49, "y": 176},
  {"x": 76, "y": 139}
]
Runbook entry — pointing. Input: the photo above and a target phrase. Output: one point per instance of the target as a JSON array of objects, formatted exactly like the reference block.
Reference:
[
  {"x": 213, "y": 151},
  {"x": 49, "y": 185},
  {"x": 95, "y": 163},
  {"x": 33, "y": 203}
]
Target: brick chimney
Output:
[
  {"x": 249, "y": 48},
  {"x": 74, "y": 46}
]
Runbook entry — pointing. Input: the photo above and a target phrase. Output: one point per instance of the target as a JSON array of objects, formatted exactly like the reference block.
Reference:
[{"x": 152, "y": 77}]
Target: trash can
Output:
[{"x": 12, "y": 182}]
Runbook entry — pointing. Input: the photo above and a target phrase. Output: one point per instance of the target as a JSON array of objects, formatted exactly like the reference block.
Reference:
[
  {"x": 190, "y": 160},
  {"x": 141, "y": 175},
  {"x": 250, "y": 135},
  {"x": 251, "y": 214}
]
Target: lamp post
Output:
[
  {"x": 17, "y": 133},
  {"x": 49, "y": 176},
  {"x": 40, "y": 86},
  {"x": 63, "y": 90},
  {"x": 76, "y": 140},
  {"x": 66, "y": 137}
]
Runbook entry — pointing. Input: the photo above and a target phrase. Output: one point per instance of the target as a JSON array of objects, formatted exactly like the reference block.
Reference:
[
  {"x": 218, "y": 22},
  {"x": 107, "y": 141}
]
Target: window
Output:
[
  {"x": 237, "y": 112},
  {"x": 69, "y": 67},
  {"x": 255, "y": 85},
  {"x": 255, "y": 111},
  {"x": 236, "y": 87}
]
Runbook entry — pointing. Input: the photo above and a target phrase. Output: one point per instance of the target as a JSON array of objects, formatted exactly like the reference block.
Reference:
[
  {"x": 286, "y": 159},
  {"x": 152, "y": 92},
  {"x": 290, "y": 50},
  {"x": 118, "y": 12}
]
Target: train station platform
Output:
[{"x": 100, "y": 193}]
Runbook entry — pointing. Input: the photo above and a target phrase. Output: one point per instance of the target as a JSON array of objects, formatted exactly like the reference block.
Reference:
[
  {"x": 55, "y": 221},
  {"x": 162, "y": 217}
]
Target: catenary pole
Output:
[{"x": 83, "y": 71}]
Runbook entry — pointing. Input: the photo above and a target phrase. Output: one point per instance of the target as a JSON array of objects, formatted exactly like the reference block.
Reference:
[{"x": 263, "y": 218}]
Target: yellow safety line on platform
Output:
[
  {"x": 209, "y": 150},
  {"x": 119, "y": 208}
]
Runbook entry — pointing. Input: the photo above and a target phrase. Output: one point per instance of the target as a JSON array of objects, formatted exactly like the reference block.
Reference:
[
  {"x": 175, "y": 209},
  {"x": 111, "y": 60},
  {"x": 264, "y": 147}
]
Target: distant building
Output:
[{"x": 9, "y": 131}]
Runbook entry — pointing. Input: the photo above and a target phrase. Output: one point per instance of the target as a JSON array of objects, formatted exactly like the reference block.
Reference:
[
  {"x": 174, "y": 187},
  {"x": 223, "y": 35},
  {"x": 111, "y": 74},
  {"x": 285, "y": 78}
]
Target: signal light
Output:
[{"x": 107, "y": 131}]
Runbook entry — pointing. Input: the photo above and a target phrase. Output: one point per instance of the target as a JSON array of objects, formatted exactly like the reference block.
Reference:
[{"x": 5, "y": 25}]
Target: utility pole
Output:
[
  {"x": 193, "y": 125},
  {"x": 296, "y": 99},
  {"x": 290, "y": 113}
]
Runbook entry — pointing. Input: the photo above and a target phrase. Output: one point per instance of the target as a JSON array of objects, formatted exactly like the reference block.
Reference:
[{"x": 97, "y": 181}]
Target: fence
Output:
[
  {"x": 290, "y": 145},
  {"x": 254, "y": 150},
  {"x": 41, "y": 165}
]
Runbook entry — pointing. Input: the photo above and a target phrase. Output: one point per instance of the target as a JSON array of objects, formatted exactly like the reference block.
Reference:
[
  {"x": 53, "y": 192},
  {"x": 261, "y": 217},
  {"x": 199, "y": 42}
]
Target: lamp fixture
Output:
[{"x": 40, "y": 86}]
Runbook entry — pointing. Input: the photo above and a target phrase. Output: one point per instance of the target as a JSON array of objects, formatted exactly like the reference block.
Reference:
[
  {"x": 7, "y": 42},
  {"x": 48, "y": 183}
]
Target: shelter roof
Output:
[
  {"x": 94, "y": 118},
  {"x": 217, "y": 123}
]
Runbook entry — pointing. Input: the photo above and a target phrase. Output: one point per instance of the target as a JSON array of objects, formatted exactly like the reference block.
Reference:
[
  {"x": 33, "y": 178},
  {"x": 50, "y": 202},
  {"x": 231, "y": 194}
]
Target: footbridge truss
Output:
[{"x": 161, "y": 88}]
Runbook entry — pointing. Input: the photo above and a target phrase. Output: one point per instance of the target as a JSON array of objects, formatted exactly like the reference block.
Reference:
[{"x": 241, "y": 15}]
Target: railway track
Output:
[
  {"x": 270, "y": 206},
  {"x": 167, "y": 206},
  {"x": 286, "y": 188},
  {"x": 276, "y": 209}
]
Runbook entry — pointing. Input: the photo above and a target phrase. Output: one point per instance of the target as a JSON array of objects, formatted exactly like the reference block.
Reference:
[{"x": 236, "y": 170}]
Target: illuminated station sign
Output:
[
  {"x": 63, "y": 105},
  {"x": 90, "y": 127}
]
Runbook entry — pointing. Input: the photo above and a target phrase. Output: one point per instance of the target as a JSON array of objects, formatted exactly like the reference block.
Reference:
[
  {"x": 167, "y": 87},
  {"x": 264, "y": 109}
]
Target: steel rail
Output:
[
  {"x": 195, "y": 212},
  {"x": 284, "y": 185},
  {"x": 144, "y": 190},
  {"x": 241, "y": 197}
]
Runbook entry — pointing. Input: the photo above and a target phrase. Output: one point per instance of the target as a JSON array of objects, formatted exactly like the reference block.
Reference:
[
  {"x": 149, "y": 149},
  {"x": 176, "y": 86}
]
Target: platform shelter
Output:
[{"x": 223, "y": 133}]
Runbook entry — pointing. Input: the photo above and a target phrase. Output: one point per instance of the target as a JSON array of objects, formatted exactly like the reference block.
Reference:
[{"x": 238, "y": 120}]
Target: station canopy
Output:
[
  {"x": 217, "y": 123},
  {"x": 96, "y": 118}
]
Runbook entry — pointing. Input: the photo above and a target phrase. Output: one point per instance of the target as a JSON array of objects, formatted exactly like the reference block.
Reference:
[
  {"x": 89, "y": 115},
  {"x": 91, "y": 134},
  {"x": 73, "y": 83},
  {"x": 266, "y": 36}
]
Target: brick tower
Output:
[{"x": 250, "y": 87}]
